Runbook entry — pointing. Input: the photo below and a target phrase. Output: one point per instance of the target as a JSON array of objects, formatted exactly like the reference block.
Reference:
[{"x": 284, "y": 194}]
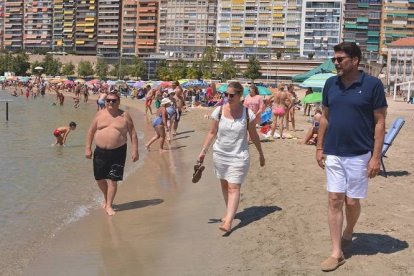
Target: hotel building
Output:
[
  {"x": 38, "y": 25},
  {"x": 147, "y": 28},
  {"x": 64, "y": 17},
  {"x": 397, "y": 21},
  {"x": 1, "y": 23},
  {"x": 129, "y": 27},
  {"x": 400, "y": 63},
  {"x": 86, "y": 27},
  {"x": 186, "y": 28},
  {"x": 362, "y": 25},
  {"x": 109, "y": 28},
  {"x": 255, "y": 27},
  {"x": 13, "y": 24},
  {"x": 321, "y": 27}
]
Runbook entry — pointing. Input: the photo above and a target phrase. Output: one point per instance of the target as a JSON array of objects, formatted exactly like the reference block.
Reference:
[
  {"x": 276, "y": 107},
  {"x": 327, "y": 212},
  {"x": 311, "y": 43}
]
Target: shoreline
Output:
[{"x": 280, "y": 229}]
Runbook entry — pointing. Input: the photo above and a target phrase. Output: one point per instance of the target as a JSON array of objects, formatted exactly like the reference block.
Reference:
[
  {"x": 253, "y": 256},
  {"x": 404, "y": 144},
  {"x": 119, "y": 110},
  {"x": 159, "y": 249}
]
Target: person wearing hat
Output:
[{"x": 160, "y": 125}]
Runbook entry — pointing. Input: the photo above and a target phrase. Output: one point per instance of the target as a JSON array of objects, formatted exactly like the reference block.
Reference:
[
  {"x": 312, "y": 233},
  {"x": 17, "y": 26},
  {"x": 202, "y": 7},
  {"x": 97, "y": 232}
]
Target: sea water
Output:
[{"x": 43, "y": 187}]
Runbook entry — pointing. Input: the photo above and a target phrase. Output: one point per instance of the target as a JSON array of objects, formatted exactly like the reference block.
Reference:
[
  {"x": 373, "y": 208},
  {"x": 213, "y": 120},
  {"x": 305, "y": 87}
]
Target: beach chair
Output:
[{"x": 389, "y": 138}]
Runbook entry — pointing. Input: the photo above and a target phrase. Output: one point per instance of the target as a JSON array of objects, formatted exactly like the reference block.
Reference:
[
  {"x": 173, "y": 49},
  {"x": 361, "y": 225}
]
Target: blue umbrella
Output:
[{"x": 195, "y": 83}]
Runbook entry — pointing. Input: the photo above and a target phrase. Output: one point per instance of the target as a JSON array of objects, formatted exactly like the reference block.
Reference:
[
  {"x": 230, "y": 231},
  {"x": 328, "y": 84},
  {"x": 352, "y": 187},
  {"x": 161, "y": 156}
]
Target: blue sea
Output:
[{"x": 42, "y": 187}]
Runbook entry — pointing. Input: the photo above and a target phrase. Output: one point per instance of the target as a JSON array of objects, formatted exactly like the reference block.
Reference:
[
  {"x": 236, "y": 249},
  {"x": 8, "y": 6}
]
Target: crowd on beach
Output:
[{"x": 347, "y": 147}]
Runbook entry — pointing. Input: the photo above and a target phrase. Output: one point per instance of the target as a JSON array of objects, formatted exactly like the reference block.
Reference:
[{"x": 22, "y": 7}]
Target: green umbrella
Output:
[
  {"x": 316, "y": 81},
  {"x": 263, "y": 91},
  {"x": 315, "y": 97}
]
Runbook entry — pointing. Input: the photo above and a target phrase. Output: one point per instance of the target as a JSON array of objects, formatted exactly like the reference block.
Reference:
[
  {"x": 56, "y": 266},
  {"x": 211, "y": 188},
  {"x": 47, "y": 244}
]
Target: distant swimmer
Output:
[
  {"x": 110, "y": 129},
  {"x": 61, "y": 133}
]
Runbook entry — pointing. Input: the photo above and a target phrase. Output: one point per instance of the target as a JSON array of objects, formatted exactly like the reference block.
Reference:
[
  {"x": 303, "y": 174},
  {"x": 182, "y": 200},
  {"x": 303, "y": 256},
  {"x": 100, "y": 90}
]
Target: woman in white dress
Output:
[{"x": 230, "y": 125}]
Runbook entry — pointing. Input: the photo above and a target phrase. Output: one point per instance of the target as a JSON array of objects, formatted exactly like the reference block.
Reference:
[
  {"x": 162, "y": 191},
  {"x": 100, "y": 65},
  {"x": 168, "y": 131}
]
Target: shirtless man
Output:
[
  {"x": 279, "y": 109},
  {"x": 110, "y": 128},
  {"x": 180, "y": 104}
]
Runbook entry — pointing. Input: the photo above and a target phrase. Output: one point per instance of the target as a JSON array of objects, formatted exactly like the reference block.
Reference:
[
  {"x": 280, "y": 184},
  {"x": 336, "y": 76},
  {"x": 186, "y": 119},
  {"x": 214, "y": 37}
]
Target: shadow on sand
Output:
[
  {"x": 185, "y": 132},
  {"x": 137, "y": 204},
  {"x": 396, "y": 173},
  {"x": 249, "y": 215},
  {"x": 372, "y": 244}
]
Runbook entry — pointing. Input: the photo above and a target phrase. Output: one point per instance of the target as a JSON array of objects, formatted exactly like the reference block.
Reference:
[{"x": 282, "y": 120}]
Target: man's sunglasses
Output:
[
  {"x": 111, "y": 100},
  {"x": 338, "y": 59},
  {"x": 229, "y": 95}
]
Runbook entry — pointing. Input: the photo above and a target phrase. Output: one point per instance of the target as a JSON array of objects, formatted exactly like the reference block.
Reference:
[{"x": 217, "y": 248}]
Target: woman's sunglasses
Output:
[
  {"x": 229, "y": 95},
  {"x": 111, "y": 100}
]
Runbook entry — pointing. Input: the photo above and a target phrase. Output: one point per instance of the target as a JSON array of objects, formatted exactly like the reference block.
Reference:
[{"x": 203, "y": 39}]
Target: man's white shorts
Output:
[{"x": 348, "y": 175}]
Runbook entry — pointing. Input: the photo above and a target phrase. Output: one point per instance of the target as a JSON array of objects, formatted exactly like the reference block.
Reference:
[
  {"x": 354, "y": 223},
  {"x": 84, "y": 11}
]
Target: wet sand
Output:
[{"x": 162, "y": 224}]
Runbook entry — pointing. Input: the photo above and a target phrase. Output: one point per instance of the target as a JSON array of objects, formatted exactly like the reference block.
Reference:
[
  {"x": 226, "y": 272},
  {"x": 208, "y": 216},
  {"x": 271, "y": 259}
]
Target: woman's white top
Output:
[{"x": 231, "y": 144}]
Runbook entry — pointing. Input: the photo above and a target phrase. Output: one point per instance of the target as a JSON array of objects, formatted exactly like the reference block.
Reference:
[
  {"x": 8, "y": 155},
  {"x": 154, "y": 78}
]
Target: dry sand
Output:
[{"x": 162, "y": 226}]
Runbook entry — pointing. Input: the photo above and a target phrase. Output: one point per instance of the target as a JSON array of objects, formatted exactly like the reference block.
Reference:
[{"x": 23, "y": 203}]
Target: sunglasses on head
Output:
[
  {"x": 229, "y": 95},
  {"x": 111, "y": 100},
  {"x": 338, "y": 59}
]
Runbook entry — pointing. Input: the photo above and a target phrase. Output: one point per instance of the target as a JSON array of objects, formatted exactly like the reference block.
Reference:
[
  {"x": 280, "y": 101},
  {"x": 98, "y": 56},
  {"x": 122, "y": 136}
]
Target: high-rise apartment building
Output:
[
  {"x": 186, "y": 28},
  {"x": 86, "y": 27},
  {"x": 129, "y": 27},
  {"x": 400, "y": 60},
  {"x": 321, "y": 27},
  {"x": 64, "y": 20},
  {"x": 38, "y": 25},
  {"x": 1, "y": 23},
  {"x": 109, "y": 28},
  {"x": 147, "y": 28},
  {"x": 257, "y": 26},
  {"x": 397, "y": 21},
  {"x": 362, "y": 21},
  {"x": 13, "y": 24}
]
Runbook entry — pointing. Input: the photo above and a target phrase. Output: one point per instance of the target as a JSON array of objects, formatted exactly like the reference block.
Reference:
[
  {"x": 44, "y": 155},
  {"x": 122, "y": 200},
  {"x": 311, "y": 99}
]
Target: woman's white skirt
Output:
[{"x": 234, "y": 171}]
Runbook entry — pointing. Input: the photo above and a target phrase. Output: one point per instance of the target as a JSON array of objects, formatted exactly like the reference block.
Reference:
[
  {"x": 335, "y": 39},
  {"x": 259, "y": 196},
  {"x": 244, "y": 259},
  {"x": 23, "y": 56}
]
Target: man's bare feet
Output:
[
  {"x": 110, "y": 211},
  {"x": 103, "y": 205},
  {"x": 225, "y": 228},
  {"x": 147, "y": 147}
]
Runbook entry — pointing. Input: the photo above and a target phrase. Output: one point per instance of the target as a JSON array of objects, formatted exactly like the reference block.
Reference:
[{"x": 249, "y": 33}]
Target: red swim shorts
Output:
[
  {"x": 56, "y": 133},
  {"x": 148, "y": 102}
]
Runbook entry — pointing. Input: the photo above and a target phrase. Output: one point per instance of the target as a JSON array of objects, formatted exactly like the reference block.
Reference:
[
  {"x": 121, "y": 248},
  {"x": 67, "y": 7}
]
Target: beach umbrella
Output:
[
  {"x": 316, "y": 81},
  {"x": 139, "y": 84},
  {"x": 315, "y": 97},
  {"x": 110, "y": 82},
  {"x": 222, "y": 88},
  {"x": 68, "y": 82},
  {"x": 195, "y": 83},
  {"x": 182, "y": 81},
  {"x": 263, "y": 91},
  {"x": 24, "y": 79},
  {"x": 165, "y": 84},
  {"x": 94, "y": 81},
  {"x": 56, "y": 80},
  {"x": 38, "y": 68}
]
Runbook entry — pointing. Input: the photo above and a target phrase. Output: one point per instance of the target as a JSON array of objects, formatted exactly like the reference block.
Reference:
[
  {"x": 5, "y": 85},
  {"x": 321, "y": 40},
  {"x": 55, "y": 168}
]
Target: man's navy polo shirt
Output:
[{"x": 351, "y": 124}]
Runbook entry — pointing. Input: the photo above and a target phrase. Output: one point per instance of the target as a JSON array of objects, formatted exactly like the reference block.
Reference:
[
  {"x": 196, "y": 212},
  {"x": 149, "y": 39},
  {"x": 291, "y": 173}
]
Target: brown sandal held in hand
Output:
[{"x": 198, "y": 170}]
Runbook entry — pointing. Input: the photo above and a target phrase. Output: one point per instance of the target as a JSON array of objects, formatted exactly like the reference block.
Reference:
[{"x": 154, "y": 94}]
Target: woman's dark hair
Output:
[
  {"x": 254, "y": 88},
  {"x": 349, "y": 48},
  {"x": 236, "y": 86},
  {"x": 72, "y": 124}
]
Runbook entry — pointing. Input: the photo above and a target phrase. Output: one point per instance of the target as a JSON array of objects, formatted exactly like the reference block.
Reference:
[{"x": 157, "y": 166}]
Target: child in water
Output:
[{"x": 61, "y": 133}]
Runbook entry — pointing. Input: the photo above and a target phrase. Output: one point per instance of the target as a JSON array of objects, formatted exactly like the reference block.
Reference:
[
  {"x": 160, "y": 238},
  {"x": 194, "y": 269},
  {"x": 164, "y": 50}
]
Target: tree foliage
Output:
[
  {"x": 51, "y": 66},
  {"x": 5, "y": 63},
  {"x": 227, "y": 69},
  {"x": 85, "y": 69},
  {"x": 163, "y": 71},
  {"x": 120, "y": 70},
  {"x": 253, "y": 69},
  {"x": 20, "y": 64},
  {"x": 101, "y": 69},
  {"x": 209, "y": 57},
  {"x": 68, "y": 69},
  {"x": 179, "y": 69},
  {"x": 195, "y": 72},
  {"x": 138, "y": 69}
]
